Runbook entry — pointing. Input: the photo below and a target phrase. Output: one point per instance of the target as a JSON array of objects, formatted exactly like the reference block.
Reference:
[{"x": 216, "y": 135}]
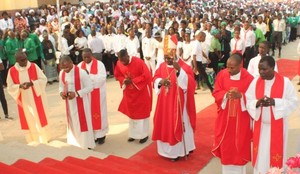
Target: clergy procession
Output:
[{"x": 162, "y": 53}]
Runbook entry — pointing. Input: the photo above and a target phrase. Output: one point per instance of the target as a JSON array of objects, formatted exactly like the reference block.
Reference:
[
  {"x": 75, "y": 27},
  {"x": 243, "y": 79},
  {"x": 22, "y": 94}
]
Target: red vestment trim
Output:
[
  {"x": 32, "y": 74},
  {"x": 95, "y": 97},
  {"x": 79, "y": 100},
  {"x": 276, "y": 147}
]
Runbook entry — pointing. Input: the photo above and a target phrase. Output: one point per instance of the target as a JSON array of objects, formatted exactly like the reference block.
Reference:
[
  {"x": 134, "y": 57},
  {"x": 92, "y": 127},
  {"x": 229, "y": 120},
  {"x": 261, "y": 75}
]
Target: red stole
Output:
[
  {"x": 79, "y": 100},
  {"x": 95, "y": 97},
  {"x": 276, "y": 148},
  {"x": 32, "y": 74}
]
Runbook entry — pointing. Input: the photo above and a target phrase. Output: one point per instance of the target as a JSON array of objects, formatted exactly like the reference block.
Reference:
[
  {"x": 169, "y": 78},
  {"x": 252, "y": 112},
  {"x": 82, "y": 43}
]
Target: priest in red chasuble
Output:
[
  {"x": 135, "y": 81},
  {"x": 26, "y": 83},
  {"x": 271, "y": 98},
  {"x": 232, "y": 126},
  {"x": 97, "y": 73},
  {"x": 175, "y": 115},
  {"x": 75, "y": 86}
]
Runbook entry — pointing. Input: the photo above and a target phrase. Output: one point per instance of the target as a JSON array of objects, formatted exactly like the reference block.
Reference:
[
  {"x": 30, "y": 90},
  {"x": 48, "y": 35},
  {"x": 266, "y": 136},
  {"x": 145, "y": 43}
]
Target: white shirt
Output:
[
  {"x": 237, "y": 45},
  {"x": 6, "y": 24},
  {"x": 132, "y": 46},
  {"x": 187, "y": 49},
  {"x": 197, "y": 50},
  {"x": 95, "y": 44},
  {"x": 120, "y": 42},
  {"x": 262, "y": 27},
  {"x": 109, "y": 43},
  {"x": 81, "y": 42},
  {"x": 248, "y": 36},
  {"x": 148, "y": 47},
  {"x": 65, "y": 49},
  {"x": 253, "y": 66},
  {"x": 208, "y": 38},
  {"x": 279, "y": 25}
]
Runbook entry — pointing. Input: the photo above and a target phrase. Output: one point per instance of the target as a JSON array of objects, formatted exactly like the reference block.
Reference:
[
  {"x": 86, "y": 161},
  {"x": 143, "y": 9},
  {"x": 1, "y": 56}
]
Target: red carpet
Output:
[
  {"x": 198, "y": 159},
  {"x": 288, "y": 68}
]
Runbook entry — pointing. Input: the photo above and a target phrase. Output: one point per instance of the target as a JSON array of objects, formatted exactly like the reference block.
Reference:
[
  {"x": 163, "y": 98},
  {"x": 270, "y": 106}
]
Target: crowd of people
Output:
[{"x": 168, "y": 45}]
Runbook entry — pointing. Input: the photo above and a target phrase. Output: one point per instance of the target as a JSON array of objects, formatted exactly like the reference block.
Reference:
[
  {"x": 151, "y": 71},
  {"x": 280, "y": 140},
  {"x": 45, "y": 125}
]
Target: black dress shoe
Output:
[
  {"x": 174, "y": 159},
  {"x": 130, "y": 139},
  {"x": 101, "y": 140},
  {"x": 143, "y": 140}
]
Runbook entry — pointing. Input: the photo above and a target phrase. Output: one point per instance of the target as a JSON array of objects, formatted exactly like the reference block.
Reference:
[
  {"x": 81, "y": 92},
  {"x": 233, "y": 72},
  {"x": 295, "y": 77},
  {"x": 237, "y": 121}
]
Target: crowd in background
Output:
[{"x": 140, "y": 26}]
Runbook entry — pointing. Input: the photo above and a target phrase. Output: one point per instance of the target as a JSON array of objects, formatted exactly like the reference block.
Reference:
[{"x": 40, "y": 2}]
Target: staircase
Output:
[{"x": 60, "y": 158}]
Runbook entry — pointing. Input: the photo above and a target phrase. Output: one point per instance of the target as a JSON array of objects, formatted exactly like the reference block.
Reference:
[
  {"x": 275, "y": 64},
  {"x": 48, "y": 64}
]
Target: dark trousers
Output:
[
  {"x": 214, "y": 61},
  {"x": 110, "y": 61},
  {"x": 248, "y": 54},
  {"x": 38, "y": 62},
  {"x": 293, "y": 34},
  {"x": 277, "y": 35},
  {"x": 202, "y": 73},
  {"x": 226, "y": 55},
  {"x": 2, "y": 99},
  {"x": 4, "y": 72},
  {"x": 268, "y": 36}
]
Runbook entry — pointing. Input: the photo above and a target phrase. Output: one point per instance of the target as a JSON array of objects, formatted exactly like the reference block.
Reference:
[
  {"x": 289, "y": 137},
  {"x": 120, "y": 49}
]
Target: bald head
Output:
[
  {"x": 21, "y": 58},
  {"x": 234, "y": 64},
  {"x": 236, "y": 57}
]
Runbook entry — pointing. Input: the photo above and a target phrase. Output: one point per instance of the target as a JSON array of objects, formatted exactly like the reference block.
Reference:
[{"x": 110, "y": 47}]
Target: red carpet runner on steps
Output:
[
  {"x": 198, "y": 159},
  {"x": 147, "y": 161}
]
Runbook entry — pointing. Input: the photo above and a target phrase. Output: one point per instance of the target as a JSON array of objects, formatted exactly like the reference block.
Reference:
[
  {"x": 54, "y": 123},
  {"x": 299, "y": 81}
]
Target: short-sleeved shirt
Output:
[
  {"x": 215, "y": 44},
  {"x": 197, "y": 50}
]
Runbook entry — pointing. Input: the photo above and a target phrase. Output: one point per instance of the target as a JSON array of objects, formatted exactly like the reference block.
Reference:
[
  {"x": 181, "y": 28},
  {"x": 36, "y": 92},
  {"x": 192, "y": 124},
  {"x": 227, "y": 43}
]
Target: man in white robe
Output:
[
  {"x": 26, "y": 83},
  {"x": 97, "y": 73},
  {"x": 74, "y": 87},
  {"x": 174, "y": 140},
  {"x": 271, "y": 98}
]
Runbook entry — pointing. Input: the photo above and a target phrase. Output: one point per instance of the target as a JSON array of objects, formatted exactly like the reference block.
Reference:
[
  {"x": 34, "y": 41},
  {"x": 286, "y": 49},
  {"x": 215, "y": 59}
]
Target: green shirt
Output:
[
  {"x": 215, "y": 44},
  {"x": 293, "y": 21},
  {"x": 38, "y": 43},
  {"x": 2, "y": 50},
  {"x": 260, "y": 37},
  {"x": 30, "y": 47},
  {"x": 11, "y": 47}
]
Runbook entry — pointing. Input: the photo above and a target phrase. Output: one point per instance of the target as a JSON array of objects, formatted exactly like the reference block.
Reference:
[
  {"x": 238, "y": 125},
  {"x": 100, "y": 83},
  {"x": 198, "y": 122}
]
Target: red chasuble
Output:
[
  {"x": 169, "y": 108},
  {"x": 137, "y": 96},
  {"x": 95, "y": 97},
  {"x": 276, "y": 147},
  {"x": 79, "y": 100},
  {"x": 32, "y": 74},
  {"x": 232, "y": 131}
]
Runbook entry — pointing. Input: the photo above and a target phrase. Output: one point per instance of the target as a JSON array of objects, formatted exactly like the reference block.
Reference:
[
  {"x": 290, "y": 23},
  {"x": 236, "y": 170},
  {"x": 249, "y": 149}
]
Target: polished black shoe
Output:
[
  {"x": 101, "y": 140},
  {"x": 130, "y": 139},
  {"x": 142, "y": 141},
  {"x": 174, "y": 159}
]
